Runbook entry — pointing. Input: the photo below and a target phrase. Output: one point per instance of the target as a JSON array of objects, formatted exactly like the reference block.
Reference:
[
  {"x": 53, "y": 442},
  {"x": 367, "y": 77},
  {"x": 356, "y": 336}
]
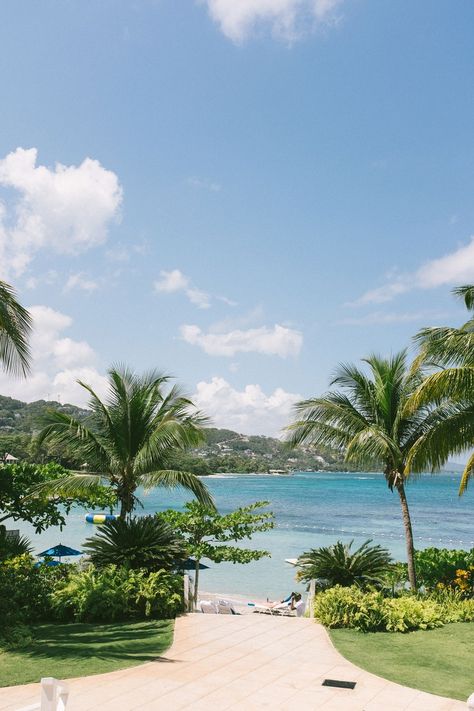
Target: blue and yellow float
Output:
[{"x": 100, "y": 517}]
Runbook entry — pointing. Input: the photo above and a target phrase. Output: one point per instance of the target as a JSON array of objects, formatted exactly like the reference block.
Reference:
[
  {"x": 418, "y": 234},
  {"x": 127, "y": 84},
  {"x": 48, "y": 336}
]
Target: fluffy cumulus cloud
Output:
[
  {"x": 278, "y": 340},
  {"x": 451, "y": 269},
  {"x": 65, "y": 209},
  {"x": 175, "y": 281},
  {"x": 286, "y": 19},
  {"x": 58, "y": 362},
  {"x": 250, "y": 411}
]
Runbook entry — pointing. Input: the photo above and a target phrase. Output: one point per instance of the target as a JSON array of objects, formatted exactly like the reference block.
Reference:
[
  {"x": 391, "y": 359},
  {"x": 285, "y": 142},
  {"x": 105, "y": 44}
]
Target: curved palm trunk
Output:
[{"x": 399, "y": 485}]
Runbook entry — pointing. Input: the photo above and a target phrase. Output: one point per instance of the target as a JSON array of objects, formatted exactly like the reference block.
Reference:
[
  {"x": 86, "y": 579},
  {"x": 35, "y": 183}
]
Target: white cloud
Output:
[
  {"x": 57, "y": 363},
  {"x": 171, "y": 281},
  {"x": 199, "y": 298},
  {"x": 65, "y": 209},
  {"x": 250, "y": 411},
  {"x": 279, "y": 340},
  {"x": 286, "y": 19},
  {"x": 80, "y": 281},
  {"x": 453, "y": 268},
  {"x": 175, "y": 281}
]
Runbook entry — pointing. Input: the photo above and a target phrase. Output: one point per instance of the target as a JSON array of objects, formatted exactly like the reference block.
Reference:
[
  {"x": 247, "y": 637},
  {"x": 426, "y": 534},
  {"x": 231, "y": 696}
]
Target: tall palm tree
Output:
[
  {"x": 15, "y": 329},
  {"x": 366, "y": 420},
  {"x": 449, "y": 351},
  {"x": 128, "y": 439}
]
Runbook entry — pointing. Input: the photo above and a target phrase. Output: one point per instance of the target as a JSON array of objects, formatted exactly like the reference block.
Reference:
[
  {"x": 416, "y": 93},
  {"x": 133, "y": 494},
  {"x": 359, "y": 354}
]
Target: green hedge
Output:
[
  {"x": 29, "y": 594},
  {"x": 353, "y": 608},
  {"x": 114, "y": 593}
]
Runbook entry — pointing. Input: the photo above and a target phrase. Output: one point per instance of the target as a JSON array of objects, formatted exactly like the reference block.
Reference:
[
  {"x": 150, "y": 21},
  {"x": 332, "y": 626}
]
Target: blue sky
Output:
[{"x": 240, "y": 193}]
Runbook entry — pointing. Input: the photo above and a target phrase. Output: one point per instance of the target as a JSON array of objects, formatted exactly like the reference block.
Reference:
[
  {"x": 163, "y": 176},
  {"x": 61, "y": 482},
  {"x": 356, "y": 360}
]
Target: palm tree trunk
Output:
[
  {"x": 196, "y": 584},
  {"x": 408, "y": 532}
]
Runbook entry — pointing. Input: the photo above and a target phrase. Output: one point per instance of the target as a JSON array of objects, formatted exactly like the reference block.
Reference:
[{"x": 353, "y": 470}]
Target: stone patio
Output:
[{"x": 246, "y": 662}]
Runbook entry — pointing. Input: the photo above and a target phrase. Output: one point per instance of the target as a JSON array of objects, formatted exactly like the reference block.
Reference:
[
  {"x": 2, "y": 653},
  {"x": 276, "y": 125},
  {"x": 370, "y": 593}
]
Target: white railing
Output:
[{"x": 54, "y": 695}]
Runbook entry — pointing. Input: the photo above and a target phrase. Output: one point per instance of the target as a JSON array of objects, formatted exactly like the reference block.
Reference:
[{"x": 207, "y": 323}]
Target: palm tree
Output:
[
  {"x": 142, "y": 542},
  {"x": 128, "y": 439},
  {"x": 450, "y": 353},
  {"x": 366, "y": 419},
  {"x": 340, "y": 565},
  {"x": 15, "y": 329}
]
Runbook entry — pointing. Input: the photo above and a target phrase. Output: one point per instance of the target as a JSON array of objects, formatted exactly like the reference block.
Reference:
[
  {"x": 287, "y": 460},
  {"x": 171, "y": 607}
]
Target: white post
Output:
[
  {"x": 48, "y": 694},
  {"x": 186, "y": 592},
  {"x": 312, "y": 593},
  {"x": 63, "y": 693},
  {"x": 54, "y": 695},
  {"x": 470, "y": 702}
]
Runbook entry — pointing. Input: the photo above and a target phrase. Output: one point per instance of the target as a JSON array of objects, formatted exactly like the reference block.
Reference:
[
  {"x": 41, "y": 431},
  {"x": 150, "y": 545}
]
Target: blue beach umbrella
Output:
[
  {"x": 59, "y": 551},
  {"x": 49, "y": 563},
  {"x": 190, "y": 564}
]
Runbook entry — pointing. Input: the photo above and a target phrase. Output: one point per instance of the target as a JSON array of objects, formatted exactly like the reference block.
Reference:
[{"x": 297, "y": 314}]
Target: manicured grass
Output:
[
  {"x": 438, "y": 661},
  {"x": 72, "y": 650}
]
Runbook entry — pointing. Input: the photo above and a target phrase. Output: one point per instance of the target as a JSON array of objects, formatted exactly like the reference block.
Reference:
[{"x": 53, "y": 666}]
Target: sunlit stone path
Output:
[{"x": 247, "y": 662}]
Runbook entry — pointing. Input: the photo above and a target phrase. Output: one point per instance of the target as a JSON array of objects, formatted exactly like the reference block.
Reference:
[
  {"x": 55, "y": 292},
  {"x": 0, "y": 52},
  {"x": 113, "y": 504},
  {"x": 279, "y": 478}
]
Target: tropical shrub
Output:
[
  {"x": 455, "y": 607},
  {"x": 443, "y": 568},
  {"x": 350, "y": 607},
  {"x": 370, "y": 611},
  {"x": 148, "y": 542},
  {"x": 339, "y": 565},
  {"x": 406, "y": 613},
  {"x": 25, "y": 590},
  {"x": 12, "y": 547},
  {"x": 113, "y": 593}
]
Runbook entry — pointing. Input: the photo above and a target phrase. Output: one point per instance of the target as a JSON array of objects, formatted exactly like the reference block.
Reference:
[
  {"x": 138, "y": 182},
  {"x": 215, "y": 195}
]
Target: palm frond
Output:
[
  {"x": 15, "y": 331},
  {"x": 172, "y": 479},
  {"x": 466, "y": 475},
  {"x": 74, "y": 485}
]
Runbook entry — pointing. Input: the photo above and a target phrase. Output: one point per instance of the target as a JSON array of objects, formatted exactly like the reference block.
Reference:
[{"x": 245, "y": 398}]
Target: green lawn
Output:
[
  {"x": 73, "y": 650},
  {"x": 438, "y": 661}
]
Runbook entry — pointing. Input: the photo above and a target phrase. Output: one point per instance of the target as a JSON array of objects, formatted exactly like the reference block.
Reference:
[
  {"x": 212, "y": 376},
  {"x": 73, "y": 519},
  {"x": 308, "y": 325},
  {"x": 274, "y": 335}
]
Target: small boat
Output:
[{"x": 100, "y": 517}]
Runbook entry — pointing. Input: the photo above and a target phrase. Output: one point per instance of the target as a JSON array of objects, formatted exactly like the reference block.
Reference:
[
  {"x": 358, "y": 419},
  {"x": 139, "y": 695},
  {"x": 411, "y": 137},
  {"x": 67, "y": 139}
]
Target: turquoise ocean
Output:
[{"x": 311, "y": 509}]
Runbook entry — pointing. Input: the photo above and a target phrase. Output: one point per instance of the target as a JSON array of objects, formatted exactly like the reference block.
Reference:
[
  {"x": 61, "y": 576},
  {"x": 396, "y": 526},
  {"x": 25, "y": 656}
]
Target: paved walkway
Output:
[{"x": 246, "y": 662}]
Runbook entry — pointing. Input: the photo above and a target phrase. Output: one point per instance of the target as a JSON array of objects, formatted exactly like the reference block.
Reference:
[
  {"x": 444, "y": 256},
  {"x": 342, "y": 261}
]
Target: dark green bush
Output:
[
  {"x": 143, "y": 542},
  {"x": 439, "y": 567},
  {"x": 340, "y": 565},
  {"x": 25, "y": 590},
  {"x": 112, "y": 593}
]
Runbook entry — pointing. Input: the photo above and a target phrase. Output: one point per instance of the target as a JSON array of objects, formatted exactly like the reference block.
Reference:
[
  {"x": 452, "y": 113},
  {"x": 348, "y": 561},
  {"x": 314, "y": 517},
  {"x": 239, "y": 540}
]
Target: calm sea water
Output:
[{"x": 311, "y": 509}]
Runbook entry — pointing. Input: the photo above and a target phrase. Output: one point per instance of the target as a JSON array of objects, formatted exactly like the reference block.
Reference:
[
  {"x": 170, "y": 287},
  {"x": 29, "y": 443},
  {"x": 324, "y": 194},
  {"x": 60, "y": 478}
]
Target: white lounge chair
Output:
[
  {"x": 225, "y": 607},
  {"x": 283, "y": 609},
  {"x": 208, "y": 607}
]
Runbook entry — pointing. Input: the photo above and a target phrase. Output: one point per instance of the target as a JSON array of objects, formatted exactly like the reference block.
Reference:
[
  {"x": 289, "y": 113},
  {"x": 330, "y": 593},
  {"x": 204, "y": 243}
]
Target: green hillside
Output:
[{"x": 225, "y": 451}]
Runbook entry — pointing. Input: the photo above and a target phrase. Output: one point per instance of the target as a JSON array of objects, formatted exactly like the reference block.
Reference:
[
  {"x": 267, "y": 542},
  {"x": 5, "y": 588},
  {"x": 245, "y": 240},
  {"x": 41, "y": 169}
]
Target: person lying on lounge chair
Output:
[{"x": 286, "y": 601}]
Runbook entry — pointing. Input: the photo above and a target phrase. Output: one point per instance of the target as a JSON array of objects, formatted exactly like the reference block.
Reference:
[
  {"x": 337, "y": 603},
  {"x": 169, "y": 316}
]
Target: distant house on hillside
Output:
[{"x": 9, "y": 458}]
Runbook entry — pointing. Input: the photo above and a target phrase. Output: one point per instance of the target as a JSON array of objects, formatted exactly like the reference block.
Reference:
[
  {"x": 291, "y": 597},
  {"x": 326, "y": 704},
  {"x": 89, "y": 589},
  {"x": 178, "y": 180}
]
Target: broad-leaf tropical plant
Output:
[
  {"x": 366, "y": 420},
  {"x": 15, "y": 329},
  {"x": 140, "y": 542},
  {"x": 128, "y": 439},
  {"x": 12, "y": 546},
  {"x": 449, "y": 351},
  {"x": 340, "y": 565}
]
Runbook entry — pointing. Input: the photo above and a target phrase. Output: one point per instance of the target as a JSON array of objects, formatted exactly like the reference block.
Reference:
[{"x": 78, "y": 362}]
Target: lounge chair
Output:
[
  {"x": 283, "y": 609},
  {"x": 225, "y": 607},
  {"x": 208, "y": 607}
]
